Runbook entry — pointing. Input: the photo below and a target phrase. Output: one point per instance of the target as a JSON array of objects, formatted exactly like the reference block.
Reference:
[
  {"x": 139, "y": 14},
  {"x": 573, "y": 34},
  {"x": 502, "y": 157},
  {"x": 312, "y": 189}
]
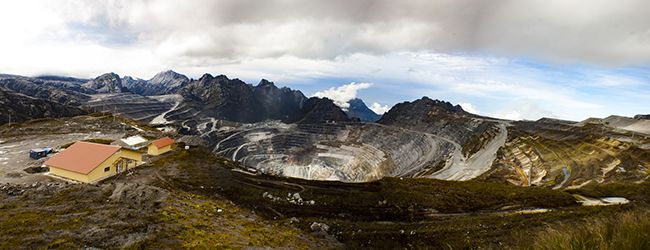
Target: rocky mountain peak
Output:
[
  {"x": 169, "y": 78},
  {"x": 206, "y": 77},
  {"x": 436, "y": 117},
  {"x": 358, "y": 109},
  {"x": 163, "y": 83},
  {"x": 322, "y": 110},
  {"x": 128, "y": 78},
  {"x": 265, "y": 83},
  {"x": 106, "y": 83},
  {"x": 438, "y": 105}
]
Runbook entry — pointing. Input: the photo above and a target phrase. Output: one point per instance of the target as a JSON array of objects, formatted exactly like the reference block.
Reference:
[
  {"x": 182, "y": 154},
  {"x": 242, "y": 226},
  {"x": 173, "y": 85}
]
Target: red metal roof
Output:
[
  {"x": 162, "y": 142},
  {"x": 82, "y": 157}
]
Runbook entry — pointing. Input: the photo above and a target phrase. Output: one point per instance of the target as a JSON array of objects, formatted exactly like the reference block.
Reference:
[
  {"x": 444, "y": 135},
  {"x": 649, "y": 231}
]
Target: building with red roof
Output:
[
  {"x": 160, "y": 146},
  {"x": 91, "y": 162}
]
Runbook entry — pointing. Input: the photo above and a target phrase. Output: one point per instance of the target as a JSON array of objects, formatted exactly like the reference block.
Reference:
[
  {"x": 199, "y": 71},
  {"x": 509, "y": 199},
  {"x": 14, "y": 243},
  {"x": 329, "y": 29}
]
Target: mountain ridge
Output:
[{"x": 359, "y": 109}]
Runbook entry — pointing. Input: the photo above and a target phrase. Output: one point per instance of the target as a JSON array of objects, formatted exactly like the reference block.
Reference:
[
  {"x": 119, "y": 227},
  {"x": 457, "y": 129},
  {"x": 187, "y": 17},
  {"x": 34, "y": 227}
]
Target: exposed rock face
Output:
[
  {"x": 163, "y": 83},
  {"x": 21, "y": 107},
  {"x": 279, "y": 103},
  {"x": 358, "y": 109},
  {"x": 106, "y": 83},
  {"x": 223, "y": 98}
]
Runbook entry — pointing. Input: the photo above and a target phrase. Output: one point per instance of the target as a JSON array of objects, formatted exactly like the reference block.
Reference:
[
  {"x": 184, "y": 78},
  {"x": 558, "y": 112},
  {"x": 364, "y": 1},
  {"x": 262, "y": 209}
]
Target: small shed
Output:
[
  {"x": 160, "y": 146},
  {"x": 135, "y": 142}
]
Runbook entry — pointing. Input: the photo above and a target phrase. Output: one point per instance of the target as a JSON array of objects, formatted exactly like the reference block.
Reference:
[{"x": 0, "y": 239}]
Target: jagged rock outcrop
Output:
[
  {"x": 233, "y": 100},
  {"x": 106, "y": 83},
  {"x": 223, "y": 98},
  {"x": 163, "y": 83},
  {"x": 358, "y": 109},
  {"x": 279, "y": 103},
  {"x": 19, "y": 107}
]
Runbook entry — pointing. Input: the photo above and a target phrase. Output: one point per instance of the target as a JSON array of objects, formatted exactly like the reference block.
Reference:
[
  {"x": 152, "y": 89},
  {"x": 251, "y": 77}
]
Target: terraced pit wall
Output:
[
  {"x": 352, "y": 152},
  {"x": 568, "y": 157}
]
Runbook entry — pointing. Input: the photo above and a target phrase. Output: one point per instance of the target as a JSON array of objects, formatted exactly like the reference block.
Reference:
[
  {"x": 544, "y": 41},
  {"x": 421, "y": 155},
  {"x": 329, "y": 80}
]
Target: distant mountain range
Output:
[{"x": 216, "y": 97}]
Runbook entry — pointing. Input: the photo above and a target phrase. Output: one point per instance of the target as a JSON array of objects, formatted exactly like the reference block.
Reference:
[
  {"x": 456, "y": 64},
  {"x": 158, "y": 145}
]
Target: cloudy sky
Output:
[{"x": 514, "y": 59}]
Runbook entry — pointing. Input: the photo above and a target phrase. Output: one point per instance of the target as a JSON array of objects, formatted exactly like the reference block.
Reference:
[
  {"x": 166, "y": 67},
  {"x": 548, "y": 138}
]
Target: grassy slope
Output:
[
  {"x": 393, "y": 212},
  {"x": 622, "y": 231}
]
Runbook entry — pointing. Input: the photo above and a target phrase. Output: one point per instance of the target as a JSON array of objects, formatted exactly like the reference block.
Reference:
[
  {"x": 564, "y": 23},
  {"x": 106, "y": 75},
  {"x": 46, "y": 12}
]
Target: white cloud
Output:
[
  {"x": 599, "y": 32},
  {"x": 469, "y": 107},
  {"x": 523, "y": 110},
  {"x": 406, "y": 48},
  {"x": 343, "y": 94},
  {"x": 378, "y": 108}
]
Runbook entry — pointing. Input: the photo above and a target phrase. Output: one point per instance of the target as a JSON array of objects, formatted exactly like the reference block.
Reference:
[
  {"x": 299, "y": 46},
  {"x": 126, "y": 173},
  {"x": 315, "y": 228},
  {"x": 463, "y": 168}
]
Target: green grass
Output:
[
  {"x": 193, "y": 221},
  {"x": 629, "y": 230}
]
